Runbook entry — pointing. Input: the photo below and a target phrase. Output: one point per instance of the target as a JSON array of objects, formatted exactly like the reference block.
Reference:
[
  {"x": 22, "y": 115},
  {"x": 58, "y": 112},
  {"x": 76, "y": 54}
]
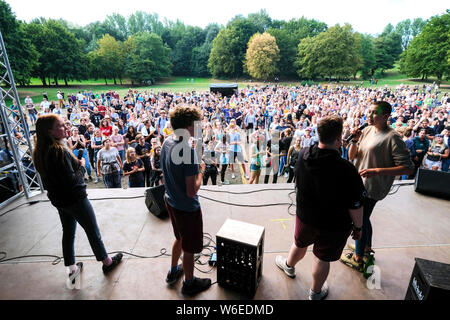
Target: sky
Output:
[{"x": 365, "y": 16}]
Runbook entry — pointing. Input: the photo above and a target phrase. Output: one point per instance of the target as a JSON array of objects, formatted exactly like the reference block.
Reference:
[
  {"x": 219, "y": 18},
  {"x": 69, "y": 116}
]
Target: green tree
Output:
[
  {"x": 333, "y": 53},
  {"x": 147, "y": 58},
  {"x": 112, "y": 54},
  {"x": 200, "y": 55},
  {"x": 287, "y": 43},
  {"x": 222, "y": 61},
  {"x": 429, "y": 52},
  {"x": 262, "y": 56},
  {"x": 408, "y": 30},
  {"x": 388, "y": 47},
  {"x": 22, "y": 55},
  {"x": 367, "y": 53}
]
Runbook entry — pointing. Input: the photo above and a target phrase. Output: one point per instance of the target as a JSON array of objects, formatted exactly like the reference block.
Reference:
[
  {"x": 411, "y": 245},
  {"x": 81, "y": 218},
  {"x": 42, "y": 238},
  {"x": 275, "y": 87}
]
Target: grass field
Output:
[{"x": 184, "y": 84}]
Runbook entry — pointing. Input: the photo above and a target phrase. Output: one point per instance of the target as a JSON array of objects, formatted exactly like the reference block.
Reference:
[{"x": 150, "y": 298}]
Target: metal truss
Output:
[{"x": 17, "y": 173}]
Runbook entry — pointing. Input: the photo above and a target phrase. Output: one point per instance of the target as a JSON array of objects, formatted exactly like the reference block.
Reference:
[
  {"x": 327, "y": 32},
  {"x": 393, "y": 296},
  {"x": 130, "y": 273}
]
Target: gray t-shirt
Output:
[
  {"x": 108, "y": 160},
  {"x": 175, "y": 169}
]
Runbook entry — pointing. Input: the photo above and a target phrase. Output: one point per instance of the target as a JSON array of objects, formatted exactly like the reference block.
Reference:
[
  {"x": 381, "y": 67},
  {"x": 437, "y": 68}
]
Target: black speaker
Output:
[
  {"x": 154, "y": 200},
  {"x": 430, "y": 280},
  {"x": 433, "y": 183}
]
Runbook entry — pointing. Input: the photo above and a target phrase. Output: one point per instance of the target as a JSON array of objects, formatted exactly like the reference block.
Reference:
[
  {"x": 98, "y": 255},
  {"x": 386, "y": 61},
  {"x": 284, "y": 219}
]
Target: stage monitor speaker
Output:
[
  {"x": 430, "y": 280},
  {"x": 240, "y": 249},
  {"x": 154, "y": 200},
  {"x": 433, "y": 183}
]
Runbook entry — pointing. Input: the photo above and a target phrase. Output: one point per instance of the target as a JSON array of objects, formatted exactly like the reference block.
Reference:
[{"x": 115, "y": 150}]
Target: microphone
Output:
[{"x": 360, "y": 128}]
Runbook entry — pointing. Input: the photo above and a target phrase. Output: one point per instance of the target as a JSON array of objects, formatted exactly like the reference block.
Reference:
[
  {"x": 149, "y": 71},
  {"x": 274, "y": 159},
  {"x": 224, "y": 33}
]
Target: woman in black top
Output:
[
  {"x": 134, "y": 167},
  {"x": 63, "y": 177},
  {"x": 130, "y": 137}
]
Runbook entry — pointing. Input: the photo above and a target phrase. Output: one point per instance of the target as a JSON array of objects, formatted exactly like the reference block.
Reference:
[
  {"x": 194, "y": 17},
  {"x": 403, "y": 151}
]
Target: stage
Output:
[{"x": 406, "y": 225}]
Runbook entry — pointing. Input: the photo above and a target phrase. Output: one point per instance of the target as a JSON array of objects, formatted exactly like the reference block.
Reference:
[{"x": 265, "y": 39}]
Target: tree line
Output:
[{"x": 143, "y": 49}]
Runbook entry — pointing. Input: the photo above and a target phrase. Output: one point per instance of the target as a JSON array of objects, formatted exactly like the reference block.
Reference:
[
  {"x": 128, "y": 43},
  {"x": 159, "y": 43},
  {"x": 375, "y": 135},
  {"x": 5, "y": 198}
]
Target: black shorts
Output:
[
  {"x": 187, "y": 227},
  {"x": 328, "y": 245},
  {"x": 233, "y": 155}
]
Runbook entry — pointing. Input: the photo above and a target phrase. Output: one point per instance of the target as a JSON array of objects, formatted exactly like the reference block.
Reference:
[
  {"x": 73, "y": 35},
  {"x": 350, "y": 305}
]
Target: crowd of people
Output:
[{"x": 259, "y": 130}]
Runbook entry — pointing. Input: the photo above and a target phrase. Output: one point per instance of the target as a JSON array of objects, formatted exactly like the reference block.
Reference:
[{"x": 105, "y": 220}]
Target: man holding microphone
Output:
[{"x": 381, "y": 154}]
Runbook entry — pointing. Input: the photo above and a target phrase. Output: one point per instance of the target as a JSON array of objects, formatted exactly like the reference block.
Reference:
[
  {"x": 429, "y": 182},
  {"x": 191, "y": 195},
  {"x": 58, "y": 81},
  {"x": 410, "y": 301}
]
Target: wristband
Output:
[{"x": 356, "y": 229}]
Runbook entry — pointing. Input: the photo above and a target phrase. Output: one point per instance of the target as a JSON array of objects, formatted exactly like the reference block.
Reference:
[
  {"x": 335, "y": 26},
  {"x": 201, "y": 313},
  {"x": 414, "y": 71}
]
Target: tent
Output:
[{"x": 226, "y": 89}]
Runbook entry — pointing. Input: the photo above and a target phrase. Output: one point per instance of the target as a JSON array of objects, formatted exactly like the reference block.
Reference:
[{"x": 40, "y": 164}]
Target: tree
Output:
[
  {"x": 367, "y": 53},
  {"x": 147, "y": 58},
  {"x": 262, "y": 56},
  {"x": 22, "y": 55},
  {"x": 429, "y": 52},
  {"x": 111, "y": 53},
  {"x": 116, "y": 26},
  {"x": 287, "y": 43},
  {"x": 182, "y": 54},
  {"x": 388, "y": 47},
  {"x": 222, "y": 61},
  {"x": 408, "y": 30},
  {"x": 333, "y": 53}
]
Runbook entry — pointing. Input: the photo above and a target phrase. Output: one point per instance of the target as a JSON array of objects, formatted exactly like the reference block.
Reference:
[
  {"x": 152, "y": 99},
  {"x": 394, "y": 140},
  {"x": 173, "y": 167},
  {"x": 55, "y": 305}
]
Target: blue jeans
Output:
[
  {"x": 112, "y": 180},
  {"x": 86, "y": 160},
  {"x": 283, "y": 161},
  {"x": 366, "y": 235},
  {"x": 122, "y": 157},
  {"x": 83, "y": 213}
]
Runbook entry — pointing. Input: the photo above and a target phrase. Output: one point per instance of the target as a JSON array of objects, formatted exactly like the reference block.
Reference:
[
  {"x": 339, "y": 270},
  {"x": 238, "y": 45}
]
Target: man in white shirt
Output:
[
  {"x": 45, "y": 104},
  {"x": 147, "y": 130}
]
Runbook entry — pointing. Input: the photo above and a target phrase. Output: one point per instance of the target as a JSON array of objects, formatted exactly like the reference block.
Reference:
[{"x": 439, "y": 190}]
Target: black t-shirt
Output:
[
  {"x": 135, "y": 178},
  {"x": 145, "y": 149},
  {"x": 327, "y": 187},
  {"x": 96, "y": 118},
  {"x": 440, "y": 125}
]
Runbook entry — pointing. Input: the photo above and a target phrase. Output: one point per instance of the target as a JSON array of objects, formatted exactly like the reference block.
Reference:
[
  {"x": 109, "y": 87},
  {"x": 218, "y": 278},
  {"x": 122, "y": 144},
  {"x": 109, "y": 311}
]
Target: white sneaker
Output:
[
  {"x": 247, "y": 177},
  {"x": 96, "y": 180},
  {"x": 226, "y": 182},
  {"x": 319, "y": 296},
  {"x": 233, "y": 176},
  {"x": 286, "y": 175},
  {"x": 281, "y": 263}
]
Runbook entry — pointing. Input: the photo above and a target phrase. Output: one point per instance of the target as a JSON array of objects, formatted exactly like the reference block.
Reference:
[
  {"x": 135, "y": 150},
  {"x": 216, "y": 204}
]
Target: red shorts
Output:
[
  {"x": 187, "y": 227},
  {"x": 328, "y": 245}
]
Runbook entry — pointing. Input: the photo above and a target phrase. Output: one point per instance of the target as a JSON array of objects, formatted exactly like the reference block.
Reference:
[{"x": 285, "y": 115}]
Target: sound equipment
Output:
[
  {"x": 430, "y": 280},
  {"x": 226, "y": 89},
  {"x": 433, "y": 183},
  {"x": 240, "y": 248},
  {"x": 154, "y": 200}
]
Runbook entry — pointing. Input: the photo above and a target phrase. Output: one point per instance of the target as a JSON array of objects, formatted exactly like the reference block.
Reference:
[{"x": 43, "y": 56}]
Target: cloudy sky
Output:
[{"x": 365, "y": 16}]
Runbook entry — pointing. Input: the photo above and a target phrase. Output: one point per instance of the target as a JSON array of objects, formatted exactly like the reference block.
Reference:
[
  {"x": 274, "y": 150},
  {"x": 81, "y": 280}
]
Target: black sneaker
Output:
[
  {"x": 197, "y": 285},
  {"x": 115, "y": 261},
  {"x": 172, "y": 277}
]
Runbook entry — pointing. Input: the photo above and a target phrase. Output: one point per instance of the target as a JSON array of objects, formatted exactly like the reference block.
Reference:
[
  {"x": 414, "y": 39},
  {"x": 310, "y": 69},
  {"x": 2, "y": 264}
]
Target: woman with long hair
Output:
[
  {"x": 77, "y": 143},
  {"x": 134, "y": 167},
  {"x": 63, "y": 177}
]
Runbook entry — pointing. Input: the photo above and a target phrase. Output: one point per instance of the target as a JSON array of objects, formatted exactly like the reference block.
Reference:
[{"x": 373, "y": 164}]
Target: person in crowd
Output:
[
  {"x": 292, "y": 157},
  {"x": 130, "y": 137},
  {"x": 63, "y": 177},
  {"x": 182, "y": 180},
  {"x": 105, "y": 128},
  {"x": 211, "y": 159},
  {"x": 320, "y": 170},
  {"x": 256, "y": 153},
  {"x": 224, "y": 158},
  {"x": 380, "y": 155},
  {"x": 77, "y": 144},
  {"x": 271, "y": 159},
  {"x": 285, "y": 144},
  {"x": 109, "y": 165},
  {"x": 143, "y": 151},
  {"x": 421, "y": 145},
  {"x": 437, "y": 152},
  {"x": 155, "y": 160},
  {"x": 134, "y": 168},
  {"x": 235, "y": 148},
  {"x": 96, "y": 117},
  {"x": 118, "y": 142},
  {"x": 96, "y": 145}
]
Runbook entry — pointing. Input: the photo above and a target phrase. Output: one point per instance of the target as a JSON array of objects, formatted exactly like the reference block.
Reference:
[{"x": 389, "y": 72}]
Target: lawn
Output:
[{"x": 184, "y": 84}]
